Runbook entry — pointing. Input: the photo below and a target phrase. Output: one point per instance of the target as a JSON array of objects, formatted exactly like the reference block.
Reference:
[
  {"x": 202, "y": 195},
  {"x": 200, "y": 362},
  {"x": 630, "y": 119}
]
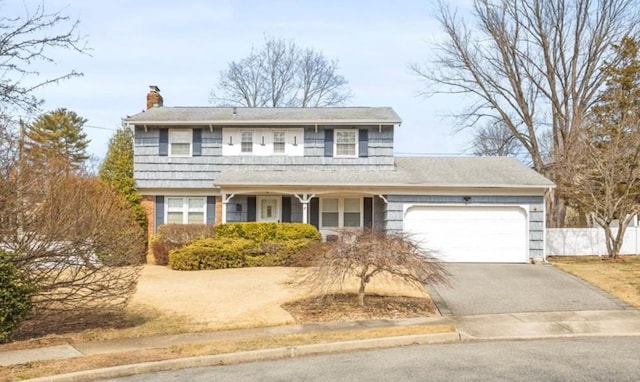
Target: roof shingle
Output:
[
  {"x": 266, "y": 115},
  {"x": 409, "y": 171}
]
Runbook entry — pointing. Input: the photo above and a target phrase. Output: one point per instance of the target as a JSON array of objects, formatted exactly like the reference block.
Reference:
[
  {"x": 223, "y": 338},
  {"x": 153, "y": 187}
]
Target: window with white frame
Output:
[
  {"x": 278, "y": 142},
  {"x": 341, "y": 212},
  {"x": 351, "y": 215},
  {"x": 180, "y": 142},
  {"x": 246, "y": 142},
  {"x": 330, "y": 212},
  {"x": 346, "y": 143},
  {"x": 185, "y": 210}
]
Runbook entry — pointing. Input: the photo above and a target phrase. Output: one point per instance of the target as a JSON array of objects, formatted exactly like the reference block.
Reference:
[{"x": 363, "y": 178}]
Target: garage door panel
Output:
[{"x": 470, "y": 233}]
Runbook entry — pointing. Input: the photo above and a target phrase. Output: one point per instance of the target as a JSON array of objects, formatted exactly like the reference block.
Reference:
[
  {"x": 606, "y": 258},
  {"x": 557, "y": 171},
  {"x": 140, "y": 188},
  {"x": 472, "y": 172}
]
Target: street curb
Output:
[{"x": 252, "y": 356}]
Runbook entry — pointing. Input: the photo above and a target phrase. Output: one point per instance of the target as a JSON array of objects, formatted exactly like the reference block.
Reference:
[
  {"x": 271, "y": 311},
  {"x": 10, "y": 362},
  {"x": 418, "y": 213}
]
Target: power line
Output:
[{"x": 100, "y": 127}]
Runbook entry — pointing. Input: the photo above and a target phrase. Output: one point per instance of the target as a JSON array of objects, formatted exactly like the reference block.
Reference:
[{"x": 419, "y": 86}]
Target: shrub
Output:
[
  {"x": 283, "y": 253},
  {"x": 15, "y": 296},
  {"x": 235, "y": 245},
  {"x": 212, "y": 254},
  {"x": 266, "y": 232},
  {"x": 174, "y": 236},
  {"x": 296, "y": 231}
]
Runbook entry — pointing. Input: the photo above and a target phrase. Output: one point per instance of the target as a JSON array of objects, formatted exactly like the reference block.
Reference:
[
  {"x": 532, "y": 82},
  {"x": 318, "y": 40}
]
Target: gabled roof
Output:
[
  {"x": 434, "y": 172},
  {"x": 266, "y": 116}
]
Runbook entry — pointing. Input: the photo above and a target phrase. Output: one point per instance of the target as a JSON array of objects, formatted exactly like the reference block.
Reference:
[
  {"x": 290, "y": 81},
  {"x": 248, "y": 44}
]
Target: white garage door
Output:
[{"x": 470, "y": 233}]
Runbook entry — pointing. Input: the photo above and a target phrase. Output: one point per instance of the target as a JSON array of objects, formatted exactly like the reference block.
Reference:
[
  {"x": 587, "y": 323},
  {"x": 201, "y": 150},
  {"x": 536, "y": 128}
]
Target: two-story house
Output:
[{"x": 334, "y": 168}]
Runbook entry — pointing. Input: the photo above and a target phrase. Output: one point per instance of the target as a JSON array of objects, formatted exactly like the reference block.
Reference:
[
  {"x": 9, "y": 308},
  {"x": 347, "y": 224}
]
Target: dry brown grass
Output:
[
  {"x": 621, "y": 279},
  {"x": 232, "y": 299},
  {"x": 40, "y": 369}
]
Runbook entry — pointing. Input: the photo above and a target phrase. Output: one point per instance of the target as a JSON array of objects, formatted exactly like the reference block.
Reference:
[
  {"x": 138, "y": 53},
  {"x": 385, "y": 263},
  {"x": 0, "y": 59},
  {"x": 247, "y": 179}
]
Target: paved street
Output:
[
  {"x": 515, "y": 288},
  {"x": 586, "y": 359}
]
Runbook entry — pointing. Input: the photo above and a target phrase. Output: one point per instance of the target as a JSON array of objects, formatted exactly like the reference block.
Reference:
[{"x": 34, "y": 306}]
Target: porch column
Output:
[
  {"x": 225, "y": 199},
  {"x": 305, "y": 199}
]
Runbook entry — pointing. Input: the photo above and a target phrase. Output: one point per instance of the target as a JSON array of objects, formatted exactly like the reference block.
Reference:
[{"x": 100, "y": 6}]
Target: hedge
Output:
[
  {"x": 212, "y": 254},
  {"x": 266, "y": 232},
  {"x": 174, "y": 236},
  {"x": 247, "y": 245},
  {"x": 15, "y": 296}
]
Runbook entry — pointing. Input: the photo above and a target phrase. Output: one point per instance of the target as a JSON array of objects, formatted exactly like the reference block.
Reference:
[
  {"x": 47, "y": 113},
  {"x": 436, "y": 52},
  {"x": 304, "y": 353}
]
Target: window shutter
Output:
[
  {"x": 251, "y": 209},
  {"x": 164, "y": 143},
  {"x": 328, "y": 143},
  {"x": 211, "y": 209},
  {"x": 367, "y": 216},
  {"x": 159, "y": 213},
  {"x": 197, "y": 142},
  {"x": 363, "y": 143},
  {"x": 314, "y": 212},
  {"x": 286, "y": 209}
]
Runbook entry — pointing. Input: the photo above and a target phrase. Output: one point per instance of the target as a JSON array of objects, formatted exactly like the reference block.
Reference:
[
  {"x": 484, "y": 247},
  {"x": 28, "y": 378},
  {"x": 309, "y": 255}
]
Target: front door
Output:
[{"x": 268, "y": 209}]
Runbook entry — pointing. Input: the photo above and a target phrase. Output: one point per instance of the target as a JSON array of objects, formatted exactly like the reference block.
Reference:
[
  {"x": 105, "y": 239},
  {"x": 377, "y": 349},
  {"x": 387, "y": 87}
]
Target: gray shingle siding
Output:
[
  {"x": 155, "y": 171},
  {"x": 394, "y": 214}
]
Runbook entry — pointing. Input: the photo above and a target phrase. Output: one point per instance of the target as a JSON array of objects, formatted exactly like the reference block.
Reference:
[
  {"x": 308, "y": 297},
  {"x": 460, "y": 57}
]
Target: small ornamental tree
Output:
[{"x": 364, "y": 255}]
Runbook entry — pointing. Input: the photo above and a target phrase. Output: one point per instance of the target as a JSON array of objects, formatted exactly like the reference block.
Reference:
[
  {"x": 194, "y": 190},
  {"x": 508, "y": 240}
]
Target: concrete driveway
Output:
[{"x": 517, "y": 288}]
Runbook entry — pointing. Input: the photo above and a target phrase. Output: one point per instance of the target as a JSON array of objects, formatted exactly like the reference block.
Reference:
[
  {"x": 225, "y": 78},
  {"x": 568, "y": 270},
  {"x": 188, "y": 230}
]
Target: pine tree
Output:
[
  {"x": 117, "y": 170},
  {"x": 618, "y": 107},
  {"x": 56, "y": 138},
  {"x": 602, "y": 171}
]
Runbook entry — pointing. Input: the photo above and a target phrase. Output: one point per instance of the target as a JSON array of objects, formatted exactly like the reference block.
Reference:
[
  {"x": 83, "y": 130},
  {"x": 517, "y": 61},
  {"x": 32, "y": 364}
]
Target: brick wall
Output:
[{"x": 148, "y": 203}]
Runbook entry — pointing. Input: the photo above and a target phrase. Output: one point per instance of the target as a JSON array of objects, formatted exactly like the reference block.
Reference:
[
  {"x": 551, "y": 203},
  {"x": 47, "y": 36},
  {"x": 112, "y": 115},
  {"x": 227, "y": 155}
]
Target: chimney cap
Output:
[{"x": 154, "y": 88}]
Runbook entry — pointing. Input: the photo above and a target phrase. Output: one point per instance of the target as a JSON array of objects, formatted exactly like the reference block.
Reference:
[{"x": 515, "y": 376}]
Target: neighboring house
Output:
[{"x": 334, "y": 168}]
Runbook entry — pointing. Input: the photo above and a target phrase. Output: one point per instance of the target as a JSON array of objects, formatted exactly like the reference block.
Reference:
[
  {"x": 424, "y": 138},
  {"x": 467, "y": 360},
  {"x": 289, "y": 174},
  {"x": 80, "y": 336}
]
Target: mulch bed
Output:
[{"x": 344, "y": 306}]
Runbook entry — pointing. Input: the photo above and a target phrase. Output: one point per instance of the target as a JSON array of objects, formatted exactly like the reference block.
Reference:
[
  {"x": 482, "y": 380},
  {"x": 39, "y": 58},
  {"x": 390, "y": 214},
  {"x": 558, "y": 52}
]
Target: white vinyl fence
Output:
[{"x": 587, "y": 241}]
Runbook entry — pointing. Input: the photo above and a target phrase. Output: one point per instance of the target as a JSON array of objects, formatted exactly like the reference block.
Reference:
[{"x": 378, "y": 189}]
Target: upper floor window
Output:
[
  {"x": 278, "y": 142},
  {"x": 246, "y": 142},
  {"x": 180, "y": 142},
  {"x": 185, "y": 210},
  {"x": 346, "y": 143},
  {"x": 263, "y": 141}
]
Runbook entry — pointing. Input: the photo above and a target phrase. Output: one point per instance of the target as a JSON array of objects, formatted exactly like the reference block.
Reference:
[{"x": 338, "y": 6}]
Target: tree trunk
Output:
[
  {"x": 556, "y": 210},
  {"x": 363, "y": 284}
]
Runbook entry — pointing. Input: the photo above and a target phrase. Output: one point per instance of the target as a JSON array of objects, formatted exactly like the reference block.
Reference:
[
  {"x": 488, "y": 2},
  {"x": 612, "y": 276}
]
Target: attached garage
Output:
[{"x": 464, "y": 233}]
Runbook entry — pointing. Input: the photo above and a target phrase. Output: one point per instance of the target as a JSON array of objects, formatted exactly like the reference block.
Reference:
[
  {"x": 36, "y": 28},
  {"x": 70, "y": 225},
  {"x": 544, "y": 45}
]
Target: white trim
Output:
[
  {"x": 356, "y": 134},
  {"x": 340, "y": 211},
  {"x": 185, "y": 208},
  {"x": 260, "y": 199},
  {"x": 173, "y": 132}
]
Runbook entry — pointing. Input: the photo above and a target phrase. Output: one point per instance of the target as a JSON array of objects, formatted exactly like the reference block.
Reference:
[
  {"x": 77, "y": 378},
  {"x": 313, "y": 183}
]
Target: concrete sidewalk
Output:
[{"x": 468, "y": 328}]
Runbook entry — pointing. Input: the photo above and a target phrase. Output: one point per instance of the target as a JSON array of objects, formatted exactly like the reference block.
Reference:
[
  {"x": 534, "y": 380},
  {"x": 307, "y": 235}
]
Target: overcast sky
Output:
[{"x": 181, "y": 46}]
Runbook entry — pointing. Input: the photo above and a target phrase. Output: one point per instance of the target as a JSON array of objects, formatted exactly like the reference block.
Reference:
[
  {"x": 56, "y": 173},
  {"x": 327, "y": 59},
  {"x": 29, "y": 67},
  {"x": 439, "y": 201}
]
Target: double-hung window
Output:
[
  {"x": 246, "y": 142},
  {"x": 180, "y": 142},
  {"x": 278, "y": 142},
  {"x": 346, "y": 142},
  {"x": 341, "y": 212},
  {"x": 185, "y": 210}
]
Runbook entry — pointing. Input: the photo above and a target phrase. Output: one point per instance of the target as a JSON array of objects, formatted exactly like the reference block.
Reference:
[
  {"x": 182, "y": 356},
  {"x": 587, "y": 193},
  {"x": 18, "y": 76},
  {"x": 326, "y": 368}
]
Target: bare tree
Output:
[
  {"x": 75, "y": 238},
  {"x": 367, "y": 254},
  {"x": 601, "y": 176},
  {"x": 495, "y": 139},
  {"x": 532, "y": 65},
  {"x": 27, "y": 40},
  {"x": 281, "y": 74}
]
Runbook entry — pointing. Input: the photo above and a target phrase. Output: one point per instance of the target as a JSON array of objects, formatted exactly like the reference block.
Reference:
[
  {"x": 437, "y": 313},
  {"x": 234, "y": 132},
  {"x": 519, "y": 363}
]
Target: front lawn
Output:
[{"x": 621, "y": 279}]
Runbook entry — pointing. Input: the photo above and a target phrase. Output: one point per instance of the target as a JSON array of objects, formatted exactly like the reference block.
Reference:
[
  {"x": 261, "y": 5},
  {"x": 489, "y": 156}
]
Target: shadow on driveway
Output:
[{"x": 478, "y": 288}]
